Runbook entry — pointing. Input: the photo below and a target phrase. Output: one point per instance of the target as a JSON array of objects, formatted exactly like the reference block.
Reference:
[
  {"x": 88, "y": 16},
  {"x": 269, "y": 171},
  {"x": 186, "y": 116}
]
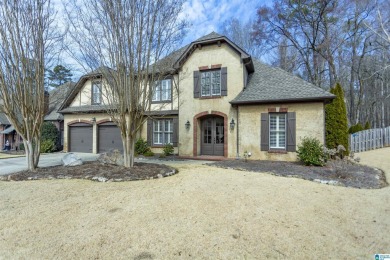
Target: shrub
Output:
[
  {"x": 355, "y": 128},
  {"x": 47, "y": 146},
  {"x": 49, "y": 132},
  {"x": 311, "y": 152},
  {"x": 141, "y": 146},
  {"x": 367, "y": 126},
  {"x": 149, "y": 153},
  {"x": 168, "y": 149},
  {"x": 336, "y": 120},
  {"x": 21, "y": 146}
]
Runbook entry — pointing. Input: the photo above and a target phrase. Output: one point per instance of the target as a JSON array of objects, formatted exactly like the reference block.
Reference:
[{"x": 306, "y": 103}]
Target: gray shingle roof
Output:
[
  {"x": 4, "y": 120},
  {"x": 268, "y": 84},
  {"x": 170, "y": 59},
  {"x": 209, "y": 36},
  {"x": 57, "y": 96},
  {"x": 86, "y": 108}
]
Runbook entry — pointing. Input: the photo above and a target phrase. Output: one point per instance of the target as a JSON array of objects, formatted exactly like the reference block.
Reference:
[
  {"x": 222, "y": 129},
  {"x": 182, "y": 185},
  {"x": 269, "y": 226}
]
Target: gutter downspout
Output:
[{"x": 238, "y": 146}]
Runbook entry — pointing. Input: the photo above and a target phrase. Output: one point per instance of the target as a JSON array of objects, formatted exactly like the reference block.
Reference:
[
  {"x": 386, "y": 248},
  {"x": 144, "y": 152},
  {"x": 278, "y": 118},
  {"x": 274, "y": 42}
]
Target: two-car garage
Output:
[{"x": 81, "y": 137}]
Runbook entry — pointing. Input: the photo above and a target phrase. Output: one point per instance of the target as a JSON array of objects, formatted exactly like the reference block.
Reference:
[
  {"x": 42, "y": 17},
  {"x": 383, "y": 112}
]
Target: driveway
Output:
[{"x": 12, "y": 165}]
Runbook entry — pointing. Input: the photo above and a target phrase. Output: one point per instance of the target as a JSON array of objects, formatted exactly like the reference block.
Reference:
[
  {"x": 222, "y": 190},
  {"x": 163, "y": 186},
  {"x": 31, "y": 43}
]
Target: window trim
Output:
[
  {"x": 201, "y": 72},
  {"x": 163, "y": 132},
  {"x": 276, "y": 149},
  {"x": 96, "y": 83},
  {"x": 159, "y": 84}
]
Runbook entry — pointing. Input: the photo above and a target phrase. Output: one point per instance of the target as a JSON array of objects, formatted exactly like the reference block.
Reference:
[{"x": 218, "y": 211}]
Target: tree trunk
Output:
[
  {"x": 128, "y": 151},
  {"x": 29, "y": 155}
]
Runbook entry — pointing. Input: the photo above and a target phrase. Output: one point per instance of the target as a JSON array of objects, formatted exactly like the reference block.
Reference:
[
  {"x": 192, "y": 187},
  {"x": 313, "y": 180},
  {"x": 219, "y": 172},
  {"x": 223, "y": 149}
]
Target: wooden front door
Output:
[{"x": 212, "y": 136}]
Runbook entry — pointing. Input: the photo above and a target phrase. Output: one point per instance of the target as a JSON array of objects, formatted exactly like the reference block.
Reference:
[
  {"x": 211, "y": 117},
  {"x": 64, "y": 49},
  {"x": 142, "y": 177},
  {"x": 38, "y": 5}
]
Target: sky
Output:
[{"x": 205, "y": 16}]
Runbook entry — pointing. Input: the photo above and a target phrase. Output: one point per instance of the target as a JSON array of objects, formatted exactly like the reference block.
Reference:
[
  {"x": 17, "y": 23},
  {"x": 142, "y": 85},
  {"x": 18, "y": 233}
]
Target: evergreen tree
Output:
[
  {"x": 356, "y": 128},
  {"x": 59, "y": 76},
  {"x": 336, "y": 120},
  {"x": 367, "y": 126}
]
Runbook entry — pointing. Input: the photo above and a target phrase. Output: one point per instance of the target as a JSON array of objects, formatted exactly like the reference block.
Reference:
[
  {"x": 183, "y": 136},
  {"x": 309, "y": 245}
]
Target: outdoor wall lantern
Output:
[
  {"x": 188, "y": 125},
  {"x": 93, "y": 119},
  {"x": 232, "y": 124}
]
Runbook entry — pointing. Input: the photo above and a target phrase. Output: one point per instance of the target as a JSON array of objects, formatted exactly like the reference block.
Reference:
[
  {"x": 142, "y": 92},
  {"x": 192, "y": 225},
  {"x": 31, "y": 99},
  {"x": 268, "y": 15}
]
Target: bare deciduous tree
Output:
[
  {"x": 334, "y": 40},
  {"x": 25, "y": 39},
  {"x": 125, "y": 39}
]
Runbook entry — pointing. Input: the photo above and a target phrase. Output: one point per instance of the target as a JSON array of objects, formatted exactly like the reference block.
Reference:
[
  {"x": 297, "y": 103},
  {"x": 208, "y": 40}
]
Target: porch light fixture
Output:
[
  {"x": 93, "y": 119},
  {"x": 187, "y": 124},
  {"x": 232, "y": 124}
]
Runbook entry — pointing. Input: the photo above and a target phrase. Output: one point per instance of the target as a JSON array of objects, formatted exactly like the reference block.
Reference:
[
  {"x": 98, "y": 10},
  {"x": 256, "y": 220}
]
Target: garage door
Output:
[
  {"x": 109, "y": 137},
  {"x": 80, "y": 138}
]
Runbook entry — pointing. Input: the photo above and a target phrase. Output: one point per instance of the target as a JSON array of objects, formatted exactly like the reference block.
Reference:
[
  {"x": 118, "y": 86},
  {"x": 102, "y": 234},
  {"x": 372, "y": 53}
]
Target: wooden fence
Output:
[{"x": 369, "y": 139}]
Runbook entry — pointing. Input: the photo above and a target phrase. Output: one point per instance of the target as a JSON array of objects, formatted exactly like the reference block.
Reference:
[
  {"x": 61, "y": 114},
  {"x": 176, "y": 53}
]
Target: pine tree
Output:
[
  {"x": 59, "y": 76},
  {"x": 336, "y": 122}
]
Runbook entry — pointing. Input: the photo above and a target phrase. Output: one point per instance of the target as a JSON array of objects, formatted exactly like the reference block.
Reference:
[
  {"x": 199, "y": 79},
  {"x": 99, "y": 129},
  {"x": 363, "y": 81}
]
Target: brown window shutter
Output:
[
  {"x": 224, "y": 81},
  {"x": 264, "y": 143},
  {"x": 149, "y": 132},
  {"x": 291, "y": 132},
  {"x": 196, "y": 84},
  {"x": 175, "y": 122}
]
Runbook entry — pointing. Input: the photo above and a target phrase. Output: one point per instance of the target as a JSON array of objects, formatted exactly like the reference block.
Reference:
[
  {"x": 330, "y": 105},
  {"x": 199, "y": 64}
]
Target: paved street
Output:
[{"x": 12, "y": 165}]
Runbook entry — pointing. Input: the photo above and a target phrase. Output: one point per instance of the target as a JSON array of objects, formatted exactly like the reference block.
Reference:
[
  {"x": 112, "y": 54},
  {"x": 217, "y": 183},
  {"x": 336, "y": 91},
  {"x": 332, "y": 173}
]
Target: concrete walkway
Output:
[{"x": 12, "y": 165}]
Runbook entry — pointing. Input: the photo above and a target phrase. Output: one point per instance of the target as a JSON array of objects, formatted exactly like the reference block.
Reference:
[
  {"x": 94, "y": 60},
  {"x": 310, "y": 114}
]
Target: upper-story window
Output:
[
  {"x": 162, "y": 90},
  {"x": 96, "y": 93},
  {"x": 211, "y": 83}
]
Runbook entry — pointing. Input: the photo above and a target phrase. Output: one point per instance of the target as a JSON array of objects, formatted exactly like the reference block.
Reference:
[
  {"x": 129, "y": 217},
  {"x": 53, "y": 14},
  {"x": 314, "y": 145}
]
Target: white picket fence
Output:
[{"x": 369, "y": 139}]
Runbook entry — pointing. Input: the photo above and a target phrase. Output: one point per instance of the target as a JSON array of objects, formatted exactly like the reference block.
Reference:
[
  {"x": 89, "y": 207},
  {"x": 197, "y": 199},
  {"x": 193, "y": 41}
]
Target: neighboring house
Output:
[
  {"x": 7, "y": 132},
  {"x": 53, "y": 101},
  {"x": 56, "y": 98},
  {"x": 217, "y": 102}
]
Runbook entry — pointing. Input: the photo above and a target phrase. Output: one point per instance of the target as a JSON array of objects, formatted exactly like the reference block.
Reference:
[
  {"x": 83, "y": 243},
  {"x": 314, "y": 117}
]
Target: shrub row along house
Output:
[{"x": 217, "y": 101}]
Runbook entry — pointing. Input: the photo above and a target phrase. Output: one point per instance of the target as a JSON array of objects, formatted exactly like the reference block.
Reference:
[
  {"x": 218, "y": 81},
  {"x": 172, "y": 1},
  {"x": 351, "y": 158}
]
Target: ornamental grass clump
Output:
[{"x": 311, "y": 152}]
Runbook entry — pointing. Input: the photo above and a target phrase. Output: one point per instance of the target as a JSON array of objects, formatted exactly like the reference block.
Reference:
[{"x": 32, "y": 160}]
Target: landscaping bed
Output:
[
  {"x": 96, "y": 171},
  {"x": 335, "y": 172}
]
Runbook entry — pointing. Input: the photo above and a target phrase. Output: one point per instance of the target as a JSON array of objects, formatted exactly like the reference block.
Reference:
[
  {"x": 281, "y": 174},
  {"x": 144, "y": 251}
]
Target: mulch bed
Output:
[
  {"x": 96, "y": 171},
  {"x": 338, "y": 172}
]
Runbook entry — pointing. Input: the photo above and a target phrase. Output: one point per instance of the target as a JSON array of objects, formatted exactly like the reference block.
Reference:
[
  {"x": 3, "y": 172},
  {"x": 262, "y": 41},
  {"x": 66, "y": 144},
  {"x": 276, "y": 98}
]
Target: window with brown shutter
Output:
[{"x": 210, "y": 83}]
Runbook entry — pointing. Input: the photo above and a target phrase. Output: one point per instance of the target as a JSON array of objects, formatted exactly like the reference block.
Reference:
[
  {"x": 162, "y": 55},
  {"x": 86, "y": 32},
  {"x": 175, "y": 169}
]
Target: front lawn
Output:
[{"x": 202, "y": 213}]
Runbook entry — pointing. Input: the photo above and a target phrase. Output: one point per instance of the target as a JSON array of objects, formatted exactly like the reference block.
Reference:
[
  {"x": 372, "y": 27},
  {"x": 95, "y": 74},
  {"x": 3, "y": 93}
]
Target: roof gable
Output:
[
  {"x": 213, "y": 38},
  {"x": 80, "y": 84}
]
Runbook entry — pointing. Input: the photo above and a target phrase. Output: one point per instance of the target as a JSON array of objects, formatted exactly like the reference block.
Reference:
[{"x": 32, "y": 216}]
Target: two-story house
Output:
[{"x": 218, "y": 102}]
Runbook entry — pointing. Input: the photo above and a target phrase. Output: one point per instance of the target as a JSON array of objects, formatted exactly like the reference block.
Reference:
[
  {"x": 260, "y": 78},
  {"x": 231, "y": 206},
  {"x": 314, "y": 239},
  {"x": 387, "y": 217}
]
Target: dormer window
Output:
[
  {"x": 211, "y": 83},
  {"x": 96, "y": 93},
  {"x": 162, "y": 91}
]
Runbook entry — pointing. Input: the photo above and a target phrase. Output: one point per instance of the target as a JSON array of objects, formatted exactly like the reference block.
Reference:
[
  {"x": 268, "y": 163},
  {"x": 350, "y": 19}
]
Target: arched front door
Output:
[{"x": 212, "y": 136}]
